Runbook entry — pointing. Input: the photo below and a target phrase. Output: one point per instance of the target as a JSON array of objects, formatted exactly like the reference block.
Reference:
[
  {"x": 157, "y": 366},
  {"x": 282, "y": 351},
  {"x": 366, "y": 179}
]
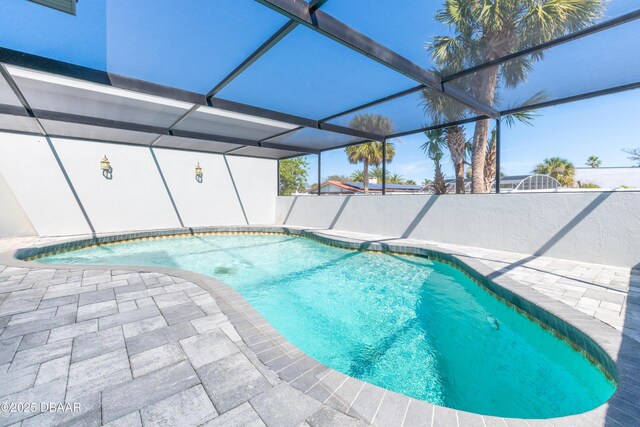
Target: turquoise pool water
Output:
[{"x": 409, "y": 324}]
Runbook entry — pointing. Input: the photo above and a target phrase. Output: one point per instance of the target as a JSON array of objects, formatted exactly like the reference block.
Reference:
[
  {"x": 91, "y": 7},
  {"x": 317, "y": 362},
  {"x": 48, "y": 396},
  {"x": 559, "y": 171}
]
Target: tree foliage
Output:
[
  {"x": 594, "y": 162},
  {"x": 484, "y": 30},
  {"x": 433, "y": 148},
  {"x": 558, "y": 168},
  {"x": 370, "y": 152},
  {"x": 634, "y": 154},
  {"x": 395, "y": 179},
  {"x": 293, "y": 175},
  {"x": 339, "y": 178},
  {"x": 357, "y": 176}
]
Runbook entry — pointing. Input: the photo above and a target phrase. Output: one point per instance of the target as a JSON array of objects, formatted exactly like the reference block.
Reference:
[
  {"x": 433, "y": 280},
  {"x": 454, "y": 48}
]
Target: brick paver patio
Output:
[{"x": 132, "y": 348}]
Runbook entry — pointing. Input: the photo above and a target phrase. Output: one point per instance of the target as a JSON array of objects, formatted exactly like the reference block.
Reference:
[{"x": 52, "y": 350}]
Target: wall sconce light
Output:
[
  {"x": 105, "y": 166},
  {"x": 198, "y": 172}
]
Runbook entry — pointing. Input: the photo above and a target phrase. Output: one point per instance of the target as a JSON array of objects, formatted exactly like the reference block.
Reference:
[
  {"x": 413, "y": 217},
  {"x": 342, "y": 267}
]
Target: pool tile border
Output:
[{"x": 598, "y": 340}]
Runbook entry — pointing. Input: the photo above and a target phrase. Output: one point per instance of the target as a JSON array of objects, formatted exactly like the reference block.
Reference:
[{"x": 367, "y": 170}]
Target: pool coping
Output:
[{"x": 601, "y": 341}]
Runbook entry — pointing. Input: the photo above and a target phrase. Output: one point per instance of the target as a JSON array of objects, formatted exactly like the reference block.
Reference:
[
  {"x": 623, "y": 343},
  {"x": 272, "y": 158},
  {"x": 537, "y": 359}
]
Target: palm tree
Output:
[
  {"x": 357, "y": 176},
  {"x": 490, "y": 161},
  {"x": 442, "y": 109},
  {"x": 558, "y": 168},
  {"x": 411, "y": 182},
  {"x": 395, "y": 179},
  {"x": 594, "y": 162},
  {"x": 487, "y": 30},
  {"x": 377, "y": 173},
  {"x": 370, "y": 152},
  {"x": 436, "y": 141}
]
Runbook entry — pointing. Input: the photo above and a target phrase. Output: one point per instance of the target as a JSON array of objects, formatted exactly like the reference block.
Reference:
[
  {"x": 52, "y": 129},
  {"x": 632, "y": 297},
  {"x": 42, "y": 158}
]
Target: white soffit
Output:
[
  {"x": 81, "y": 131},
  {"x": 7, "y": 96},
  {"x": 228, "y": 123},
  {"x": 179, "y": 142},
  {"x": 267, "y": 153},
  {"x": 25, "y": 124},
  {"x": 49, "y": 92}
]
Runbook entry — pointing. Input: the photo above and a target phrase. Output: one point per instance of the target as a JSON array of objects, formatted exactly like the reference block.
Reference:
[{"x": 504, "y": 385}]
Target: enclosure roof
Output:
[{"x": 281, "y": 78}]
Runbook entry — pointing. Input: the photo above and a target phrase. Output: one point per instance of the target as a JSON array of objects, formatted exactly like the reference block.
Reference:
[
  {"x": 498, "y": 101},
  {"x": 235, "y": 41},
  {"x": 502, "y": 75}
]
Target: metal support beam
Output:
[
  {"x": 233, "y": 150},
  {"x": 264, "y": 48},
  {"x": 286, "y": 132},
  {"x": 330, "y": 27},
  {"x": 319, "y": 172},
  {"x": 384, "y": 166},
  {"x": 498, "y": 120},
  {"x": 176, "y": 123},
  {"x": 278, "y": 180}
]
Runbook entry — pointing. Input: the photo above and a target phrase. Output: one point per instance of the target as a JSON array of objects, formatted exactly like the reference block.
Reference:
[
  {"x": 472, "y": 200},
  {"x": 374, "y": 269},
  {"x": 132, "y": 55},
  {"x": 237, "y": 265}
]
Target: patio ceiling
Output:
[{"x": 202, "y": 85}]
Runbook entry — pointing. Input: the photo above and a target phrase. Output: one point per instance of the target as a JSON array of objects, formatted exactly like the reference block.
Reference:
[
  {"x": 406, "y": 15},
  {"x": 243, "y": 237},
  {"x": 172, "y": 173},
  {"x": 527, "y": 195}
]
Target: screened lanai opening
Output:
[{"x": 287, "y": 80}]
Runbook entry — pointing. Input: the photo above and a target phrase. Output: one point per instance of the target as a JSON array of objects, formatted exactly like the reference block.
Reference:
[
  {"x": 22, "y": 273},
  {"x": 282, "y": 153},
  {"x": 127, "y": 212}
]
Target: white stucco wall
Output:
[
  {"x": 257, "y": 183},
  {"x": 135, "y": 198},
  {"x": 31, "y": 171},
  {"x": 13, "y": 219},
  {"x": 214, "y": 201},
  {"x": 600, "y": 227}
]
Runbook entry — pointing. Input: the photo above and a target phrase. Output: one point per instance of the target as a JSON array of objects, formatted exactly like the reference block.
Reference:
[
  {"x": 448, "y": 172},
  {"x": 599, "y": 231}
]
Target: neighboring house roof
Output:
[{"x": 358, "y": 187}]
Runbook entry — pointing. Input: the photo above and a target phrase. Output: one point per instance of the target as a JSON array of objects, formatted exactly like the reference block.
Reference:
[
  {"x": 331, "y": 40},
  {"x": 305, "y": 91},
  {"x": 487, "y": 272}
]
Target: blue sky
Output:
[{"x": 193, "y": 44}]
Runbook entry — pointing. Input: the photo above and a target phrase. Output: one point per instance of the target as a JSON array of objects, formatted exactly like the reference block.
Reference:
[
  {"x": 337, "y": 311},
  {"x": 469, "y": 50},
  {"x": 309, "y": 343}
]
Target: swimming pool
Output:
[{"x": 409, "y": 324}]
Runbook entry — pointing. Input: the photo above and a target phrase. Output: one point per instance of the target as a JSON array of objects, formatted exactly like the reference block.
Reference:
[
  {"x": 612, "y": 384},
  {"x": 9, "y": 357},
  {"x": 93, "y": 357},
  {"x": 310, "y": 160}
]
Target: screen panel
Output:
[
  {"x": 600, "y": 61},
  {"x": 417, "y": 110},
  {"x": 406, "y": 27},
  {"x": 81, "y": 39},
  {"x": 410, "y": 26},
  {"x": 190, "y": 45},
  {"x": 310, "y": 75},
  {"x": 315, "y": 139}
]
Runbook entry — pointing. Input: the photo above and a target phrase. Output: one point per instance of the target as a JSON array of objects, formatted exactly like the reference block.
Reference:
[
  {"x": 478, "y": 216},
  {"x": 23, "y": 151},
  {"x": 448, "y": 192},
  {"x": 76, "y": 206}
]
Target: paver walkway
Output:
[{"x": 133, "y": 348}]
